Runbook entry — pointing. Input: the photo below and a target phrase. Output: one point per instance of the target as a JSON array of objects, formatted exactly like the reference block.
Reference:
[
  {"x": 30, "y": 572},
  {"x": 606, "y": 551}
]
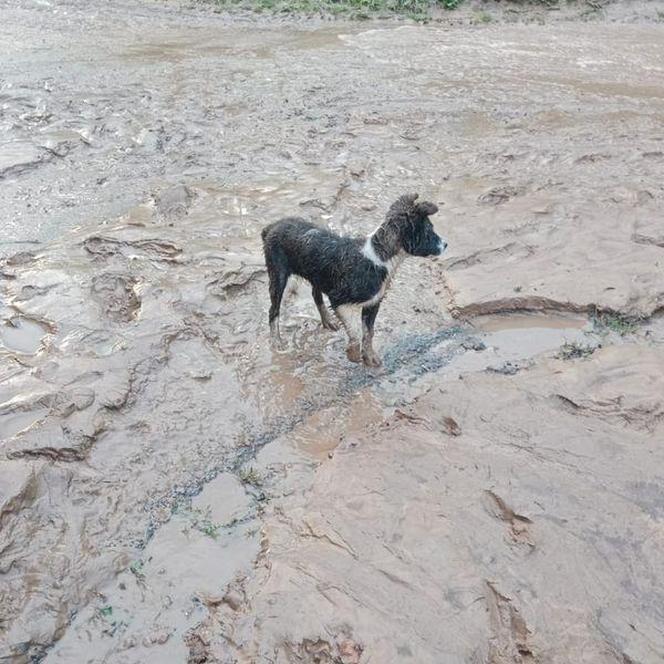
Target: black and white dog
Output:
[{"x": 354, "y": 273}]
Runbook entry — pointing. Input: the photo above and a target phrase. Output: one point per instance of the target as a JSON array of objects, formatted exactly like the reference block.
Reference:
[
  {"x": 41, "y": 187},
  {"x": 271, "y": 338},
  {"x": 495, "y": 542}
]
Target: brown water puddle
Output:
[
  {"x": 322, "y": 433},
  {"x": 501, "y": 323},
  {"x": 172, "y": 46},
  {"x": 22, "y": 335}
]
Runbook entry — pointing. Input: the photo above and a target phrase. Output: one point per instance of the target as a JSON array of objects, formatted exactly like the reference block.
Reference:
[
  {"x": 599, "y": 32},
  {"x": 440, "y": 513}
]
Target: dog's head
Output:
[{"x": 416, "y": 233}]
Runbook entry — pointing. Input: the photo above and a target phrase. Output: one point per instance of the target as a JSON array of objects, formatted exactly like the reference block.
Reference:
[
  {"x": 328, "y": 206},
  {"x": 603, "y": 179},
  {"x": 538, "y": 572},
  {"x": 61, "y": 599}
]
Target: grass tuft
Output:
[
  {"x": 250, "y": 476},
  {"x": 605, "y": 322},
  {"x": 418, "y": 10},
  {"x": 136, "y": 568},
  {"x": 202, "y": 521},
  {"x": 209, "y": 528},
  {"x": 484, "y": 17},
  {"x": 573, "y": 350}
]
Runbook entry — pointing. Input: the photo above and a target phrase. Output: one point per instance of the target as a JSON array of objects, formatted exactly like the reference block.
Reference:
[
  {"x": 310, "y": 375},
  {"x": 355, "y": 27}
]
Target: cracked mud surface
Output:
[{"x": 172, "y": 490}]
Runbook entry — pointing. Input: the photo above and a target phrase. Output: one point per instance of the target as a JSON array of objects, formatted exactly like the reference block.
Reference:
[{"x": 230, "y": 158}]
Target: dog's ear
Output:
[
  {"x": 410, "y": 198},
  {"x": 426, "y": 208}
]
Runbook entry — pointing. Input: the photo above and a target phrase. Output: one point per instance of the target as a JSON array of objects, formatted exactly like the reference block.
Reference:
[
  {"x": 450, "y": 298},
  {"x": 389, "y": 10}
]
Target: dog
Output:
[{"x": 353, "y": 272}]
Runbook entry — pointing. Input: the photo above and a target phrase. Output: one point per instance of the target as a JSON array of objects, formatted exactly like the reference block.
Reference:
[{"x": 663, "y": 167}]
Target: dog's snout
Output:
[{"x": 442, "y": 245}]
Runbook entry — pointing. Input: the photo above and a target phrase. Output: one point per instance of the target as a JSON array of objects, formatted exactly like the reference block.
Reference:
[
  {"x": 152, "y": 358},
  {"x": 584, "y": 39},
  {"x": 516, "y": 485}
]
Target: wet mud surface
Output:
[{"x": 173, "y": 490}]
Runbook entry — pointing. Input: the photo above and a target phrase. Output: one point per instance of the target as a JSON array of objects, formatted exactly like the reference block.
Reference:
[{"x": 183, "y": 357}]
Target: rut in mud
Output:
[{"x": 171, "y": 490}]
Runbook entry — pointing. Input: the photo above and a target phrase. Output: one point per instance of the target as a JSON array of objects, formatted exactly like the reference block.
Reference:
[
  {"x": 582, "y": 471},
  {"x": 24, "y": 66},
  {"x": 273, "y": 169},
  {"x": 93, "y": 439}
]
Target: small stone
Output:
[
  {"x": 451, "y": 427},
  {"x": 473, "y": 344},
  {"x": 350, "y": 652},
  {"x": 158, "y": 637}
]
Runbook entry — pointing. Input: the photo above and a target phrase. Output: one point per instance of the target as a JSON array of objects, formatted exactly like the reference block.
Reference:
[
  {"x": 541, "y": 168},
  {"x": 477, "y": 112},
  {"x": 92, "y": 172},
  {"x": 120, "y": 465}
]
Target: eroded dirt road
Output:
[{"x": 173, "y": 491}]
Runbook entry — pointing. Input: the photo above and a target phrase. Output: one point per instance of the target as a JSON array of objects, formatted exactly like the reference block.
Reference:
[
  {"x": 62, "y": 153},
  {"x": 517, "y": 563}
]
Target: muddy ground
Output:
[{"x": 172, "y": 490}]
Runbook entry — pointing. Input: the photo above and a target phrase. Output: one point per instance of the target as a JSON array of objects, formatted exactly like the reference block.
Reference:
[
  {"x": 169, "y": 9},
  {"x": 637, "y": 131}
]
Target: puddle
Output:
[
  {"x": 514, "y": 338},
  {"x": 535, "y": 322},
  {"x": 512, "y": 341},
  {"x": 17, "y": 156},
  {"x": 322, "y": 433},
  {"x": 22, "y": 335},
  {"x": 527, "y": 342},
  {"x": 13, "y": 423},
  {"x": 173, "y": 46}
]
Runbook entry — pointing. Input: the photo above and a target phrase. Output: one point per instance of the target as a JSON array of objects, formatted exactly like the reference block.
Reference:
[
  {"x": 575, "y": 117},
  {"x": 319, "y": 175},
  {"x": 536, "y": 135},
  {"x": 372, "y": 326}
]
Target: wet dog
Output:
[{"x": 354, "y": 273}]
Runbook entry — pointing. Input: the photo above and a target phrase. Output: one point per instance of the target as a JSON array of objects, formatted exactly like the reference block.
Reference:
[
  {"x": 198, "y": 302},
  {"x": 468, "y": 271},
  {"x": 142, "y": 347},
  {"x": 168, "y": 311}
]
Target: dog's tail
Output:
[{"x": 265, "y": 232}]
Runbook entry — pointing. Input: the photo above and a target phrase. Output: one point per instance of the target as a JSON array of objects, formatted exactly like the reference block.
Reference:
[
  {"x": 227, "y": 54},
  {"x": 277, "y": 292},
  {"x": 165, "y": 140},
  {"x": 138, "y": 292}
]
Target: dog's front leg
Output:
[
  {"x": 347, "y": 314},
  {"x": 368, "y": 319}
]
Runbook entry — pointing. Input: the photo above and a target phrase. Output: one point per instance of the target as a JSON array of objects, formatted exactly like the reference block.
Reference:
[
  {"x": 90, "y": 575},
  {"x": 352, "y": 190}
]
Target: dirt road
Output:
[{"x": 171, "y": 490}]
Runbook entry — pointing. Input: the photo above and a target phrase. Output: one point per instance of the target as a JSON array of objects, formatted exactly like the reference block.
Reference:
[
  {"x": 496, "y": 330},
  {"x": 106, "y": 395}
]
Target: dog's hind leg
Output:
[
  {"x": 278, "y": 273},
  {"x": 345, "y": 313},
  {"x": 325, "y": 316},
  {"x": 369, "y": 356}
]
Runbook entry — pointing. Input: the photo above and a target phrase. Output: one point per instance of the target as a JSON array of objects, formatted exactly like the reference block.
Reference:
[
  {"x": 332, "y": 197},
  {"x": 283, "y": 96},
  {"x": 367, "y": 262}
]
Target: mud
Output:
[{"x": 172, "y": 490}]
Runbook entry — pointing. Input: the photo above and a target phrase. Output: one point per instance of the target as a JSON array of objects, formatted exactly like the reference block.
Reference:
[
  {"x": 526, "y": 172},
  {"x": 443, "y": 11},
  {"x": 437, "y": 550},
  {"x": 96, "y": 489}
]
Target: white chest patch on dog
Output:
[
  {"x": 391, "y": 264},
  {"x": 369, "y": 252}
]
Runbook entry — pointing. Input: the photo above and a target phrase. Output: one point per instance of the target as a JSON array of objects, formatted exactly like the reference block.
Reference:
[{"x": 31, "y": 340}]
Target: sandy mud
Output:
[{"x": 172, "y": 490}]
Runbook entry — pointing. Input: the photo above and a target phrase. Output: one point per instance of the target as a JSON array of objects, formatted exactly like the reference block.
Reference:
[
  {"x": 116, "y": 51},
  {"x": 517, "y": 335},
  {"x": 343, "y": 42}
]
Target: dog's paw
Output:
[
  {"x": 354, "y": 353},
  {"x": 371, "y": 360},
  {"x": 329, "y": 324}
]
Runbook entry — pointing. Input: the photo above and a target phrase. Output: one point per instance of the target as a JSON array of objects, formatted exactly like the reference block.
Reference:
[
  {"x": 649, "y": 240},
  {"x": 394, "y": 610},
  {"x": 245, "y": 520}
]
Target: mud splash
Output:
[{"x": 166, "y": 480}]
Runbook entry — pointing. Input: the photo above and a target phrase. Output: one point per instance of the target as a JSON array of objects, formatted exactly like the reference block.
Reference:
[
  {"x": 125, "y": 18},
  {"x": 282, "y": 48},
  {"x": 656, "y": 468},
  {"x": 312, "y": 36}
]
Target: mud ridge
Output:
[
  {"x": 537, "y": 304},
  {"x": 510, "y": 634}
]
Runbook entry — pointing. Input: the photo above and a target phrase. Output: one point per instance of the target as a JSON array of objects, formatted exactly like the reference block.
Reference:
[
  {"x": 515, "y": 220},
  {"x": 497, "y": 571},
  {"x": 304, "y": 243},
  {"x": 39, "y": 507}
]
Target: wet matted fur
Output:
[{"x": 354, "y": 272}]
